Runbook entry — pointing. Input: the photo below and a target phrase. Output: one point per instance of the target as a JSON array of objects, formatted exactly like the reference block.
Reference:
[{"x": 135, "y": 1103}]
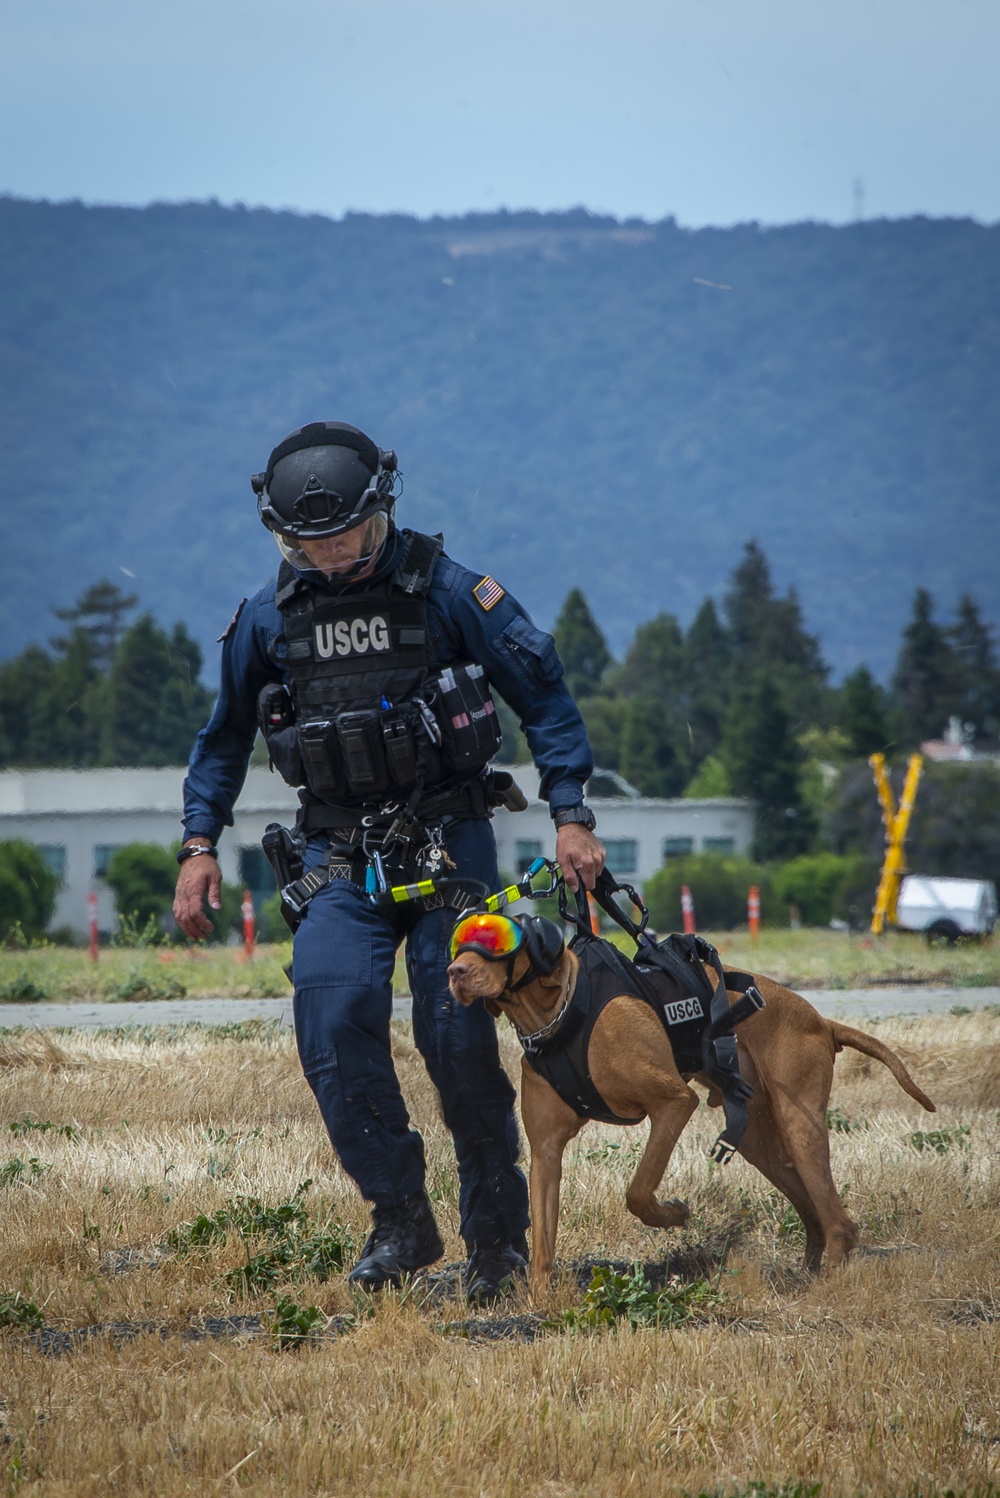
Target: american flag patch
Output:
[{"x": 487, "y": 593}]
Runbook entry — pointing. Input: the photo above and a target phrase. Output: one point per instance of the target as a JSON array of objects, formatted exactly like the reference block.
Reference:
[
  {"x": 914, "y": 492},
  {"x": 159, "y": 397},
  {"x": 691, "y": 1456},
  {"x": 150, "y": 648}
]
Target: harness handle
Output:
[
  {"x": 580, "y": 918},
  {"x": 606, "y": 886}
]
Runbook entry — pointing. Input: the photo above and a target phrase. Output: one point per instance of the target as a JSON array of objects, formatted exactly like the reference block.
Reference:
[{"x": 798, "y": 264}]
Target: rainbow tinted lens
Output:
[{"x": 489, "y": 935}]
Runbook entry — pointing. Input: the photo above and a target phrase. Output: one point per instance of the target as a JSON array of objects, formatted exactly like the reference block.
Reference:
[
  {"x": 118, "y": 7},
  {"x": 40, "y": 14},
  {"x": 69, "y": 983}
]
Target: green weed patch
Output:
[
  {"x": 18, "y": 1172},
  {"x": 20, "y": 1127},
  {"x": 22, "y": 990},
  {"x": 138, "y": 986},
  {"x": 280, "y": 1242},
  {"x": 940, "y": 1141},
  {"x": 17, "y": 1313},
  {"x": 839, "y": 1123},
  {"x": 292, "y": 1324},
  {"x": 613, "y": 1297}
]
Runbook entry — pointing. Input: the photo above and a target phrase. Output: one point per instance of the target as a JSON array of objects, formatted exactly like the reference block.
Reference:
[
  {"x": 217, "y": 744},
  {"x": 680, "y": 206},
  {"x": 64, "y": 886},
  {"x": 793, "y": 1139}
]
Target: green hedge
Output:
[
  {"x": 718, "y": 883},
  {"x": 820, "y": 885},
  {"x": 824, "y": 885},
  {"x": 27, "y": 889}
]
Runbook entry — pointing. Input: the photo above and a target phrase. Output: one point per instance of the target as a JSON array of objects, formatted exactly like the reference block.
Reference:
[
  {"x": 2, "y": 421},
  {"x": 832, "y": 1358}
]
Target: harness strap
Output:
[
  {"x": 720, "y": 1056},
  {"x": 682, "y": 957}
]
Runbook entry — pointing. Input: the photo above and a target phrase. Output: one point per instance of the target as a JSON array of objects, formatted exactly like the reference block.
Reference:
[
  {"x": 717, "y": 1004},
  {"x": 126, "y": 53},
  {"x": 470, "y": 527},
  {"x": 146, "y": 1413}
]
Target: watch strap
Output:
[{"x": 582, "y": 814}]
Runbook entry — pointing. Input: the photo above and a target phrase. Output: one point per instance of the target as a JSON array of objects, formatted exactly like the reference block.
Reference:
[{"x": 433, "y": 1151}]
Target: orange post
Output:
[
  {"x": 92, "y": 922},
  {"x": 687, "y": 910},
  {"x": 249, "y": 924},
  {"x": 753, "y": 910}
]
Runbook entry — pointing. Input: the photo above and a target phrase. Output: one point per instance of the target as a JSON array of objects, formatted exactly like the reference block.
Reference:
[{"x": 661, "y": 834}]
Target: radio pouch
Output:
[
  {"x": 466, "y": 713},
  {"x": 276, "y": 719}
]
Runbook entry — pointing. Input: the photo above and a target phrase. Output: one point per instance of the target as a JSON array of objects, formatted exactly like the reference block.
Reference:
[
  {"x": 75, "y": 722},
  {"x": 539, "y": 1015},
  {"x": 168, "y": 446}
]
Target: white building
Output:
[{"x": 77, "y": 818}]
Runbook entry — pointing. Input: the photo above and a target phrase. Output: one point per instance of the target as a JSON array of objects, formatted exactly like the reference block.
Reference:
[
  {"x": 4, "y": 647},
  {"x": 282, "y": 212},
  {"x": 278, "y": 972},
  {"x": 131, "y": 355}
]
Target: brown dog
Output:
[{"x": 786, "y": 1051}]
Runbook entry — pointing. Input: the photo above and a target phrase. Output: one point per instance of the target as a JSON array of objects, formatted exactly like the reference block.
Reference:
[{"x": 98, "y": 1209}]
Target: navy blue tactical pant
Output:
[{"x": 343, "y": 963}]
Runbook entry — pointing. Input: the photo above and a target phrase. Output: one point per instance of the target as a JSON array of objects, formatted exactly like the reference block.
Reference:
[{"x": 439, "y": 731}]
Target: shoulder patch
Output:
[
  {"x": 232, "y": 624},
  {"x": 487, "y": 593}
]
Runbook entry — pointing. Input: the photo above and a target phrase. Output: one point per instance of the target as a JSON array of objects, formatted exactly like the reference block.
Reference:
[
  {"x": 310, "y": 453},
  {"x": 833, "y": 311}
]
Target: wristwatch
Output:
[
  {"x": 581, "y": 814},
  {"x": 193, "y": 852}
]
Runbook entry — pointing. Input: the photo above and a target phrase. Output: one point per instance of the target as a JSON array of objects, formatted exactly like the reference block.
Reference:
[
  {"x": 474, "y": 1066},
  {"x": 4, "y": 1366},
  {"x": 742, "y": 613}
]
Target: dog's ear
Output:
[{"x": 543, "y": 942}]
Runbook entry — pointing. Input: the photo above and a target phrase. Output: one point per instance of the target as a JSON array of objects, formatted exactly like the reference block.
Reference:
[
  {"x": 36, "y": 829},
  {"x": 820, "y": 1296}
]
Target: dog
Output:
[{"x": 786, "y": 1052}]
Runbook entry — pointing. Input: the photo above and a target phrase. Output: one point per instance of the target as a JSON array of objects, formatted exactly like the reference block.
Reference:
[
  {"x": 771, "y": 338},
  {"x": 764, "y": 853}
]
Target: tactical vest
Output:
[{"x": 368, "y": 718}]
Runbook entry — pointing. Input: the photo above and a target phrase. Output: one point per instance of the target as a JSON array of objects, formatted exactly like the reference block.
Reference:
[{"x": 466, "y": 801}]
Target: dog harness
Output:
[
  {"x": 560, "y": 1056},
  {"x": 698, "y": 1019}
]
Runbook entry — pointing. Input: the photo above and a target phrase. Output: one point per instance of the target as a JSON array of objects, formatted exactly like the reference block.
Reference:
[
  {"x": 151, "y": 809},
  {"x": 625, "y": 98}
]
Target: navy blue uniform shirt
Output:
[{"x": 521, "y": 661}]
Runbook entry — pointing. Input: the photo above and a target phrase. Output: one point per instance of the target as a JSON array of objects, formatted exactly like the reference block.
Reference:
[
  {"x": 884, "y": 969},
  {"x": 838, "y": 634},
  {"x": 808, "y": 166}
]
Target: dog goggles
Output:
[{"x": 492, "y": 936}]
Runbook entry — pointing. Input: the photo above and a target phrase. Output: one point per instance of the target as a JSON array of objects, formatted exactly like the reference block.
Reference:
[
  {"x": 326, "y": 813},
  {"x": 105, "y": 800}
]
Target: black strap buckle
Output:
[{"x": 722, "y": 1150}]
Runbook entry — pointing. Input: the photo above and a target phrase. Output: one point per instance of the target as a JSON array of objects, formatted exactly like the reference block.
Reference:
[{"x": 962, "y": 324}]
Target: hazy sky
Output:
[{"x": 713, "y": 110}]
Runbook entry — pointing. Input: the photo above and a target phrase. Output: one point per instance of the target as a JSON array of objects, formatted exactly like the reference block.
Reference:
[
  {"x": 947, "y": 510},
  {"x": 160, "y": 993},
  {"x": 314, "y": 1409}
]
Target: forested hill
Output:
[{"x": 575, "y": 401}]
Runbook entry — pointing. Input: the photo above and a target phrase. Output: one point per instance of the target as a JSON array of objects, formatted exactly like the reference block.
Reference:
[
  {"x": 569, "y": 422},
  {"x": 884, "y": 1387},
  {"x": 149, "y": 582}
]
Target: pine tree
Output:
[
  {"x": 706, "y": 680},
  {"x": 974, "y": 647},
  {"x": 582, "y": 646},
  {"x": 100, "y": 613},
  {"x": 649, "y": 758},
  {"x": 603, "y": 718},
  {"x": 70, "y": 706},
  {"x": 768, "y": 633},
  {"x": 764, "y": 760},
  {"x": 24, "y": 689},
  {"x": 925, "y": 684},
  {"x": 154, "y": 705},
  {"x": 654, "y": 664},
  {"x": 863, "y": 714}
]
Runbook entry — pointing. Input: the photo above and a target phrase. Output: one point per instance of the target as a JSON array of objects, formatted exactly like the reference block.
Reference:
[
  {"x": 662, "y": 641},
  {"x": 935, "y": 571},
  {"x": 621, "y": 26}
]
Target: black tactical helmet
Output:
[{"x": 323, "y": 479}]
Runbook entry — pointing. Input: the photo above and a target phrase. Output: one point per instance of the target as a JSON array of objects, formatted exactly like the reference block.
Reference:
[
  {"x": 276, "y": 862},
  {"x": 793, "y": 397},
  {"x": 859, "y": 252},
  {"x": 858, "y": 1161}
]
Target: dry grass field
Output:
[{"x": 882, "y": 1380}]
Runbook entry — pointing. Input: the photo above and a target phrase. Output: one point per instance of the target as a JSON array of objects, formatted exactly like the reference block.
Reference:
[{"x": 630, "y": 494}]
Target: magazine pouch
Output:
[
  {"x": 363, "y": 752},
  {"x": 321, "y": 759}
]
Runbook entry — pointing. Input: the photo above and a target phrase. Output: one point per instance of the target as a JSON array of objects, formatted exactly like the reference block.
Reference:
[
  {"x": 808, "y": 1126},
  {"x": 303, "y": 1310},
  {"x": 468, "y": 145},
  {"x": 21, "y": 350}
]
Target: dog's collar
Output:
[{"x": 531, "y": 1041}]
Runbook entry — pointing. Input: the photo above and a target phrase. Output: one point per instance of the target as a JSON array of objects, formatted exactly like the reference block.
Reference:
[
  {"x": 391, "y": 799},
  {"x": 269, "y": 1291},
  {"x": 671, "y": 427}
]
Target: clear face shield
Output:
[{"x": 347, "y": 555}]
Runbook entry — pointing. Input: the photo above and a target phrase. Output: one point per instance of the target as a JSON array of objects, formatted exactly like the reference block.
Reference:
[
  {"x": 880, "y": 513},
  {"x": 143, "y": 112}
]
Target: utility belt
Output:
[
  {"x": 395, "y": 854},
  {"x": 450, "y": 729}
]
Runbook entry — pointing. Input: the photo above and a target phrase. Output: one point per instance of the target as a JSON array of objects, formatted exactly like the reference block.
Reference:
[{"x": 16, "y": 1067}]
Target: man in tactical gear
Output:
[{"x": 367, "y": 667}]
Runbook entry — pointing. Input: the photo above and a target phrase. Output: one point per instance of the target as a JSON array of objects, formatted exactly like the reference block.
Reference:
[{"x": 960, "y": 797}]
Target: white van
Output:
[{"x": 945, "y": 909}]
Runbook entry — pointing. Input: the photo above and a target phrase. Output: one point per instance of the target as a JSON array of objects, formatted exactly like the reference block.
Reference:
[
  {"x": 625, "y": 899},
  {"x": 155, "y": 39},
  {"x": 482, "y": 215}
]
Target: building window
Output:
[
  {"x": 102, "y": 857},
  {"x": 256, "y": 873},
  {"x": 717, "y": 845},
  {"x": 54, "y": 855},
  {"x": 623, "y": 855},
  {"x": 677, "y": 847},
  {"x": 526, "y": 850}
]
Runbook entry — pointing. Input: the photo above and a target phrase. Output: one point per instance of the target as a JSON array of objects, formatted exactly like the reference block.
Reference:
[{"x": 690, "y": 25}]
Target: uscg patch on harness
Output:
[
  {"x": 682, "y": 1011},
  {"x": 487, "y": 593}
]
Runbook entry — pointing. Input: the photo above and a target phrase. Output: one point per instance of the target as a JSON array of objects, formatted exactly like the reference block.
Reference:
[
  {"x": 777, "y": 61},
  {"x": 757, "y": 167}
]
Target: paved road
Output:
[{"x": 847, "y": 1004}]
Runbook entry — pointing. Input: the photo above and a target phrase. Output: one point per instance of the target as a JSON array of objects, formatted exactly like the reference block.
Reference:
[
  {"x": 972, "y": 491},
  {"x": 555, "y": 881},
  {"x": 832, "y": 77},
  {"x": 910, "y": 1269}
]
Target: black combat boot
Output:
[
  {"x": 492, "y": 1272},
  {"x": 403, "y": 1240}
]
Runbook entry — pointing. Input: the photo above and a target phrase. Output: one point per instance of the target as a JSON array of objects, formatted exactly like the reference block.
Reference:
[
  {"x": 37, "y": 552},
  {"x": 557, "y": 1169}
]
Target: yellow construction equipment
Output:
[{"x": 896, "y": 822}]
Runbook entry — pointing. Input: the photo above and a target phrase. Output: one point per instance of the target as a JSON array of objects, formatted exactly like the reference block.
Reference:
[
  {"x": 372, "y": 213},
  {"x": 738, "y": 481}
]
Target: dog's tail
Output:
[{"x": 859, "y": 1041}]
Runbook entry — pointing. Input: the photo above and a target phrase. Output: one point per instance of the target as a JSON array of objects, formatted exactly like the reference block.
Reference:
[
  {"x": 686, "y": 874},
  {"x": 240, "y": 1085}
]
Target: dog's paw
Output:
[{"x": 668, "y": 1214}]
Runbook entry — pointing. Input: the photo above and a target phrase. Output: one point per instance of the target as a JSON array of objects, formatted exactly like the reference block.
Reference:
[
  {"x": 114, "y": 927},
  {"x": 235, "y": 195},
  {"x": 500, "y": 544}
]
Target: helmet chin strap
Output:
[{"x": 353, "y": 571}]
